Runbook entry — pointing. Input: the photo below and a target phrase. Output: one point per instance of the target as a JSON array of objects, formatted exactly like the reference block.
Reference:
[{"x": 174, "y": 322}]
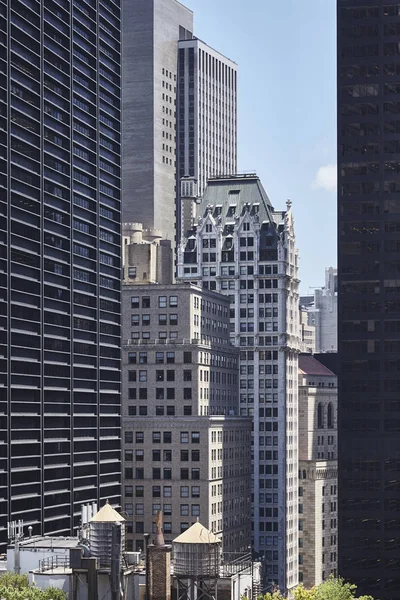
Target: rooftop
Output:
[
  {"x": 197, "y": 40},
  {"x": 42, "y": 541},
  {"x": 308, "y": 365},
  {"x": 233, "y": 194}
]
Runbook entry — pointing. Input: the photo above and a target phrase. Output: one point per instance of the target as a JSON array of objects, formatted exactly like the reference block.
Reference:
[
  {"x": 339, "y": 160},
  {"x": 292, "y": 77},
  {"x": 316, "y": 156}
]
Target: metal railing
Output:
[{"x": 51, "y": 563}]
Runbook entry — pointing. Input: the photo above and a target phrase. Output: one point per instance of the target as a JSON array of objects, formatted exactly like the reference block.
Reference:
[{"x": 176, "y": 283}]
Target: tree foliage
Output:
[
  {"x": 332, "y": 589},
  {"x": 17, "y": 587}
]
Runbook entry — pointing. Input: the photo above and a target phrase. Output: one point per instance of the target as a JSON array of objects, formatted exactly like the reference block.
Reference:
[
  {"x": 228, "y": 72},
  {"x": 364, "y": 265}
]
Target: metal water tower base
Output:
[{"x": 196, "y": 589}]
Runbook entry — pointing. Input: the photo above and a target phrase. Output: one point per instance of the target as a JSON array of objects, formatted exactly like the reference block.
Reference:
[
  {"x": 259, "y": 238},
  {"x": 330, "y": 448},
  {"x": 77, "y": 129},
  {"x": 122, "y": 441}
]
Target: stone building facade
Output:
[
  {"x": 317, "y": 471},
  {"x": 240, "y": 246},
  {"x": 187, "y": 450}
]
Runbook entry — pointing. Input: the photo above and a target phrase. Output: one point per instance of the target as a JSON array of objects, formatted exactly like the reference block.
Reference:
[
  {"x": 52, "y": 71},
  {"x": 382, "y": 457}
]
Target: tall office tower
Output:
[
  {"x": 243, "y": 248},
  {"x": 369, "y": 295},
  {"x": 60, "y": 260},
  {"x": 317, "y": 472},
  {"x": 187, "y": 451},
  {"x": 151, "y": 30},
  {"x": 206, "y": 115},
  {"x": 321, "y": 309}
]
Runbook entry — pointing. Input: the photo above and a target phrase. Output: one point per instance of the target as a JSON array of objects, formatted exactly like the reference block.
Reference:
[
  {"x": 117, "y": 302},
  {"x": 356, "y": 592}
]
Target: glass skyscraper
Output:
[
  {"x": 369, "y": 295},
  {"x": 59, "y": 260}
]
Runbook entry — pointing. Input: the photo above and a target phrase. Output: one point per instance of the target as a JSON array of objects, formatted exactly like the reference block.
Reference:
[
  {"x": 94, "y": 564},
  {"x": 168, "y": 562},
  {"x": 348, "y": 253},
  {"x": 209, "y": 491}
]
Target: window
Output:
[
  {"x": 184, "y": 455},
  {"x": 195, "y": 437},
  {"x": 132, "y": 274},
  {"x": 146, "y": 320},
  {"x": 159, "y": 411},
  {"x": 195, "y": 491},
  {"x": 143, "y": 409},
  {"x": 129, "y": 455},
  {"x": 156, "y": 489},
  {"x": 184, "y": 491},
  {"x": 171, "y": 411},
  {"x": 170, "y": 393},
  {"x": 167, "y": 473},
  {"x": 195, "y": 474},
  {"x": 320, "y": 416},
  {"x": 330, "y": 416},
  {"x": 173, "y": 301},
  {"x": 143, "y": 376},
  {"x": 173, "y": 319},
  {"x": 185, "y": 474},
  {"x": 167, "y": 437},
  {"x": 162, "y": 301},
  {"x": 128, "y": 437},
  {"x": 146, "y": 302},
  {"x": 170, "y": 358},
  {"x": 139, "y": 509},
  {"x": 184, "y": 437},
  {"x": 187, "y": 393},
  {"x": 135, "y": 320},
  {"x": 139, "y": 491},
  {"x": 195, "y": 455},
  {"x": 139, "y": 455},
  {"x": 159, "y": 358},
  {"x": 155, "y": 508},
  {"x": 167, "y": 491},
  {"x": 167, "y": 455},
  {"x": 195, "y": 510},
  {"x": 139, "y": 526},
  {"x": 187, "y": 357},
  {"x": 170, "y": 375},
  {"x": 139, "y": 437},
  {"x": 187, "y": 410},
  {"x": 156, "y": 455},
  {"x": 156, "y": 437},
  {"x": 132, "y": 358},
  {"x": 187, "y": 375},
  {"x": 143, "y": 358},
  {"x": 162, "y": 319},
  {"x": 184, "y": 510}
]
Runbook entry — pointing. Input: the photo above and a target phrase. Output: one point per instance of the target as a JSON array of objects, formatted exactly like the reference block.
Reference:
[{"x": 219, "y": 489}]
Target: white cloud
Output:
[{"x": 326, "y": 178}]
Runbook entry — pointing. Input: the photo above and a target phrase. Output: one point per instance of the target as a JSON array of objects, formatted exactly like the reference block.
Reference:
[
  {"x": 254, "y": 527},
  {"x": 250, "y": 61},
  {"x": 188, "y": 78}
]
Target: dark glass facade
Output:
[
  {"x": 59, "y": 260},
  {"x": 369, "y": 294}
]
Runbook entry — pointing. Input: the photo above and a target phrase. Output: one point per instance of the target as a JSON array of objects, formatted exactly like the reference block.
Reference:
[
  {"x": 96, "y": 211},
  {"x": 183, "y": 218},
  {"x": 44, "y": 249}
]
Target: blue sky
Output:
[{"x": 285, "y": 51}]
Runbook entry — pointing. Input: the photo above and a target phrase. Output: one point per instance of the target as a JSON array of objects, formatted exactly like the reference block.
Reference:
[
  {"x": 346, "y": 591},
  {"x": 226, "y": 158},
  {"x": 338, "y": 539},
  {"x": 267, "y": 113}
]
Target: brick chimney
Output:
[{"x": 159, "y": 575}]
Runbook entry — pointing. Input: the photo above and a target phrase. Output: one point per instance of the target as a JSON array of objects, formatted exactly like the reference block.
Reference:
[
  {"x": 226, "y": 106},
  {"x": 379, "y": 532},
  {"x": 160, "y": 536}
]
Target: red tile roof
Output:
[{"x": 311, "y": 366}]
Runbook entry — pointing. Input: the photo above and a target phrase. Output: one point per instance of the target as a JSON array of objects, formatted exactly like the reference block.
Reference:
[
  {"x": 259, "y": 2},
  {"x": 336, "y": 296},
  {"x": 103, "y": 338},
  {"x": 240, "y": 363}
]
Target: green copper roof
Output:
[{"x": 229, "y": 197}]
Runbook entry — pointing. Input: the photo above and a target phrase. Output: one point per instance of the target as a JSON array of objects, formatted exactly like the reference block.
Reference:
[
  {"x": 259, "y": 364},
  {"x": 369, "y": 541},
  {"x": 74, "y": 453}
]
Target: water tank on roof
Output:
[
  {"x": 101, "y": 534},
  {"x": 196, "y": 553}
]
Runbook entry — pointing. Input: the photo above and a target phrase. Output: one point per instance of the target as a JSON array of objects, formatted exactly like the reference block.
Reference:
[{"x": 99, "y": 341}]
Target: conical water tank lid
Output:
[
  {"x": 107, "y": 514},
  {"x": 197, "y": 534}
]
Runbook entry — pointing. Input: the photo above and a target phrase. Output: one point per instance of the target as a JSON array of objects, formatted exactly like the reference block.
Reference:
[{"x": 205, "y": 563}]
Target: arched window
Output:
[
  {"x": 320, "y": 416},
  {"x": 330, "y": 416}
]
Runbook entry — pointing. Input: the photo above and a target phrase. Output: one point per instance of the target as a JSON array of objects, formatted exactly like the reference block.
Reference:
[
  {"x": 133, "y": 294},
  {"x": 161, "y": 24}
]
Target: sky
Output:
[{"x": 286, "y": 55}]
